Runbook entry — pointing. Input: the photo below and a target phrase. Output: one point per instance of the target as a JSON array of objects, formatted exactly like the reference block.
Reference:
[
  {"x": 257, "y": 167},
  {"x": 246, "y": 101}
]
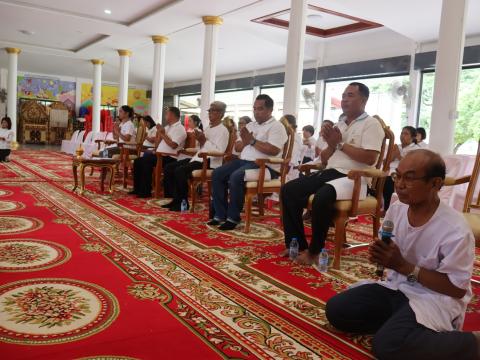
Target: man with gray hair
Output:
[{"x": 215, "y": 138}]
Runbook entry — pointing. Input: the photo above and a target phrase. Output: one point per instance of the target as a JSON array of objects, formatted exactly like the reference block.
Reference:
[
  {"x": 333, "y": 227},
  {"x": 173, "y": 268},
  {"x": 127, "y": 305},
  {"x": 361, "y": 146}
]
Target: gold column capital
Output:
[
  {"x": 11, "y": 50},
  {"x": 122, "y": 52},
  {"x": 97, "y": 62},
  {"x": 159, "y": 39},
  {"x": 212, "y": 20}
]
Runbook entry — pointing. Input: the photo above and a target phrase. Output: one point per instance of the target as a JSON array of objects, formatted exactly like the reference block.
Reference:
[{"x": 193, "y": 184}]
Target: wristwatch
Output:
[
  {"x": 413, "y": 276},
  {"x": 253, "y": 141},
  {"x": 339, "y": 146}
]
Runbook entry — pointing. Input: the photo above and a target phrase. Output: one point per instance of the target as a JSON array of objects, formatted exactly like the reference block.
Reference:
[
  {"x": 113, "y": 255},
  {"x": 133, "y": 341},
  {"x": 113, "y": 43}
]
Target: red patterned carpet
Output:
[{"x": 114, "y": 277}]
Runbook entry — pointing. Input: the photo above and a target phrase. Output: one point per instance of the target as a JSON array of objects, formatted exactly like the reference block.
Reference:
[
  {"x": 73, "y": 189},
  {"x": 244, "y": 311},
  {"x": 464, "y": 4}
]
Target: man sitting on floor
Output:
[
  {"x": 354, "y": 143},
  {"x": 417, "y": 311},
  {"x": 215, "y": 138},
  {"x": 260, "y": 139},
  {"x": 170, "y": 140}
]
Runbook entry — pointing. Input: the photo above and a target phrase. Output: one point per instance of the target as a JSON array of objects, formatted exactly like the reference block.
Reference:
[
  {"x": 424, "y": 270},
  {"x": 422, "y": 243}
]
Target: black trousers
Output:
[
  {"x": 178, "y": 173},
  {"x": 294, "y": 197},
  {"x": 388, "y": 190},
  {"x": 142, "y": 175},
  {"x": 374, "y": 309},
  {"x": 4, "y": 153}
]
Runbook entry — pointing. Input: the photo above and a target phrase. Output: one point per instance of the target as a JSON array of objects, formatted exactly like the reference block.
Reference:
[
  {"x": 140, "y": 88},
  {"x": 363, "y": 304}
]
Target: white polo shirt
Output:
[
  {"x": 309, "y": 149},
  {"x": 8, "y": 136},
  {"x": 271, "y": 131},
  {"x": 217, "y": 140},
  {"x": 150, "y": 133},
  {"x": 127, "y": 128},
  {"x": 177, "y": 133},
  {"x": 444, "y": 244},
  {"x": 364, "y": 132},
  {"x": 403, "y": 152}
]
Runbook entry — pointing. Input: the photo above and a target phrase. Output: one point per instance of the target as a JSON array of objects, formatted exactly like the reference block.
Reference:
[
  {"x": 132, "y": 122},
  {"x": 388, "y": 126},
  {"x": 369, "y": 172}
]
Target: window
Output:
[
  {"x": 467, "y": 127},
  {"x": 239, "y": 102},
  {"x": 388, "y": 99},
  {"x": 189, "y": 104},
  {"x": 276, "y": 93}
]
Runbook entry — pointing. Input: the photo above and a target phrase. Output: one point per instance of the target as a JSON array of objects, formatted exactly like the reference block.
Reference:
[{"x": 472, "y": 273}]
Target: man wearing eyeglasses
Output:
[
  {"x": 263, "y": 138},
  {"x": 354, "y": 143},
  {"x": 417, "y": 312}
]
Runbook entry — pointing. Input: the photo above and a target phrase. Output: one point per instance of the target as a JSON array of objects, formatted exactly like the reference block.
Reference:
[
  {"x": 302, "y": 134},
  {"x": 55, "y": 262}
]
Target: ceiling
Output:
[{"x": 64, "y": 35}]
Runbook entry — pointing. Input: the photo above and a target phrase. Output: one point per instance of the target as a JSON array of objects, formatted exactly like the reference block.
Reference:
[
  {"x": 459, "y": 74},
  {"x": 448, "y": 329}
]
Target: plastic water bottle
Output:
[
  {"x": 323, "y": 261},
  {"x": 293, "y": 249},
  {"x": 104, "y": 153},
  {"x": 183, "y": 206}
]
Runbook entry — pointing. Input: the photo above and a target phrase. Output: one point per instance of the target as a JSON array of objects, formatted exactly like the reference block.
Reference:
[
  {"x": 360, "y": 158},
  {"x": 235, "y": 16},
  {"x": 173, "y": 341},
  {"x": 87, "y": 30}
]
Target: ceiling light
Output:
[
  {"x": 27, "y": 32},
  {"x": 107, "y": 11}
]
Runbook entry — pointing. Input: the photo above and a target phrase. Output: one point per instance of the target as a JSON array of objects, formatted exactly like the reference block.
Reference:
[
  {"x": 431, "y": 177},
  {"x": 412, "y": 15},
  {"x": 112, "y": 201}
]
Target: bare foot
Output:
[
  {"x": 284, "y": 253},
  {"x": 305, "y": 258}
]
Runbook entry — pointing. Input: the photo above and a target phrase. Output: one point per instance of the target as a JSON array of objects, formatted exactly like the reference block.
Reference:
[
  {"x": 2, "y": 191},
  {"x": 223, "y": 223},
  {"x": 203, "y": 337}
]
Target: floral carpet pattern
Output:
[{"x": 115, "y": 277}]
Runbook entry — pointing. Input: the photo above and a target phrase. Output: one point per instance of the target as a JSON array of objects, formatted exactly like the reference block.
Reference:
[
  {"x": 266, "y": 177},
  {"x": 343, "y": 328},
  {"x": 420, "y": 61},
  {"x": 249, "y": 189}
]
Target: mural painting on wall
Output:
[
  {"x": 137, "y": 98},
  {"x": 47, "y": 89}
]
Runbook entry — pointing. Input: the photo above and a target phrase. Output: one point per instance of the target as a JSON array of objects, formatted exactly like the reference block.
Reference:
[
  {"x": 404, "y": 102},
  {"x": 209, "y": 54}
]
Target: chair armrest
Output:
[
  {"x": 261, "y": 162},
  {"x": 205, "y": 154},
  {"x": 449, "y": 181},
  {"x": 109, "y": 142},
  {"x": 188, "y": 151},
  {"x": 309, "y": 167},
  {"x": 356, "y": 174},
  {"x": 160, "y": 154}
]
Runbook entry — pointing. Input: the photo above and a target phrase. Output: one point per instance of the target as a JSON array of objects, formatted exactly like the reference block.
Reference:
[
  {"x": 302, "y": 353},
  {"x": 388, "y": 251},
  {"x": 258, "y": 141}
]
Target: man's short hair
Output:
[
  {"x": 309, "y": 128},
  {"x": 435, "y": 166},
  {"x": 412, "y": 131},
  {"x": 175, "y": 111},
  {"x": 245, "y": 118},
  {"x": 219, "y": 105},
  {"x": 267, "y": 99},
  {"x": 362, "y": 88},
  {"x": 422, "y": 132}
]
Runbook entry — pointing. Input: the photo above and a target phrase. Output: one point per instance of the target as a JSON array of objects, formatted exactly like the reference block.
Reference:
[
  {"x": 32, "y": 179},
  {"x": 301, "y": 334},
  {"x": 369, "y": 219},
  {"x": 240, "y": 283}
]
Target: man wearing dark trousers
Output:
[
  {"x": 170, "y": 140},
  {"x": 418, "y": 311},
  {"x": 215, "y": 138},
  {"x": 354, "y": 143}
]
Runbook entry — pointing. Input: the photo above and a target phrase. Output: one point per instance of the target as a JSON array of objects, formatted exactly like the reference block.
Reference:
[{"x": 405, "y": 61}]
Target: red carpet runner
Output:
[{"x": 115, "y": 277}]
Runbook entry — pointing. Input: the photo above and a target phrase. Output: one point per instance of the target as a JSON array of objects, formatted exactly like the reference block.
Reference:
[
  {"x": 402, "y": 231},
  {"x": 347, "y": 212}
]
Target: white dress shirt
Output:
[
  {"x": 177, "y": 133},
  {"x": 150, "y": 133},
  {"x": 8, "y": 136},
  {"x": 217, "y": 140}
]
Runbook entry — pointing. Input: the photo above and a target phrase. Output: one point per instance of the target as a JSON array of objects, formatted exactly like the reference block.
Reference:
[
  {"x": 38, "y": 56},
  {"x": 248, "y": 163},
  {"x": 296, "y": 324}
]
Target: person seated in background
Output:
[
  {"x": 6, "y": 138},
  {"x": 169, "y": 139},
  {"x": 421, "y": 136},
  {"x": 194, "y": 122},
  {"x": 123, "y": 129},
  {"x": 418, "y": 311},
  {"x": 215, "y": 138},
  {"x": 150, "y": 137},
  {"x": 308, "y": 144},
  {"x": 321, "y": 144},
  {"x": 243, "y": 121},
  {"x": 407, "y": 140},
  {"x": 263, "y": 138},
  {"x": 354, "y": 143}
]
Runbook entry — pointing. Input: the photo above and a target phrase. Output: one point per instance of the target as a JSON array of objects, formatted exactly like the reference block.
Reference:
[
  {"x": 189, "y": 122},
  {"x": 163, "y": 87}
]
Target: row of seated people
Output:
[{"x": 418, "y": 311}]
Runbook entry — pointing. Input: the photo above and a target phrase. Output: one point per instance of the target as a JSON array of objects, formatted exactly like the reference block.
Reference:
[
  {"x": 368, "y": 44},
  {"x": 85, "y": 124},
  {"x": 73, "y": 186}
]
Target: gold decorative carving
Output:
[
  {"x": 13, "y": 50},
  {"x": 124, "y": 52},
  {"x": 97, "y": 62},
  {"x": 212, "y": 20},
  {"x": 159, "y": 39}
]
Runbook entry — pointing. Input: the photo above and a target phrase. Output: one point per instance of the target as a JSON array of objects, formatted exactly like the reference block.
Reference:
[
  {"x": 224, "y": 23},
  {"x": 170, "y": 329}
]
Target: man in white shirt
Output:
[
  {"x": 354, "y": 143},
  {"x": 123, "y": 131},
  {"x": 260, "y": 139},
  {"x": 215, "y": 138},
  {"x": 170, "y": 140},
  {"x": 417, "y": 312}
]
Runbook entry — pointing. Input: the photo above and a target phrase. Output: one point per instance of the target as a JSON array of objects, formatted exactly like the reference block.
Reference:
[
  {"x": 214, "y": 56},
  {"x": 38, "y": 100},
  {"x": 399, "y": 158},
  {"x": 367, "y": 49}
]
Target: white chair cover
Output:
[{"x": 67, "y": 144}]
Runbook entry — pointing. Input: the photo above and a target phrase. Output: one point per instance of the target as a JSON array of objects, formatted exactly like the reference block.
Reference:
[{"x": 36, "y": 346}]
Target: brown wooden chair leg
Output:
[
  {"x": 340, "y": 222},
  {"x": 192, "y": 184},
  {"x": 158, "y": 178},
  {"x": 261, "y": 204}
]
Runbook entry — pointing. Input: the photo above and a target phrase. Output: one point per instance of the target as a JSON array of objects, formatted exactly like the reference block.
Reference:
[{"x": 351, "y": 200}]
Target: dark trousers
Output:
[
  {"x": 388, "y": 190},
  {"x": 294, "y": 197},
  {"x": 143, "y": 168},
  {"x": 178, "y": 173},
  {"x": 374, "y": 309},
  {"x": 4, "y": 153}
]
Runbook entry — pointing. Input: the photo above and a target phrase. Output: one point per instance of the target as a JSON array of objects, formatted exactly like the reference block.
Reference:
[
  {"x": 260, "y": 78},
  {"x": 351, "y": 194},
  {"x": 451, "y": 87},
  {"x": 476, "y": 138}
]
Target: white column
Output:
[
  {"x": 414, "y": 90},
  {"x": 158, "y": 82},
  {"x": 319, "y": 103},
  {"x": 12, "y": 88},
  {"x": 97, "y": 94},
  {"x": 123, "y": 78},
  {"x": 207, "y": 94},
  {"x": 176, "y": 100},
  {"x": 295, "y": 55},
  {"x": 3, "y": 85},
  {"x": 447, "y": 74}
]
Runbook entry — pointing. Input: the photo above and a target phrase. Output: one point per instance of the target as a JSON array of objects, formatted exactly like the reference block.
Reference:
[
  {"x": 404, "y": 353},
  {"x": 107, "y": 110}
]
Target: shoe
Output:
[
  {"x": 133, "y": 192},
  {"x": 168, "y": 206},
  {"x": 213, "y": 222},
  {"x": 227, "y": 225},
  {"x": 144, "y": 196}
]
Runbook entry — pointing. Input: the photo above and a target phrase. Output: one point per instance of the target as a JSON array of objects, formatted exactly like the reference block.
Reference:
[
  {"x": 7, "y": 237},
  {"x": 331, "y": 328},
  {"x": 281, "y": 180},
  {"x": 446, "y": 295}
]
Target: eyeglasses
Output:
[{"x": 408, "y": 178}]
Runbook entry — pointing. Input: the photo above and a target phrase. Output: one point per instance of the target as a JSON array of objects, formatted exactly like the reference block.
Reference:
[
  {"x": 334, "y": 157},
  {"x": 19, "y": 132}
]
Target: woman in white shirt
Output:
[
  {"x": 151, "y": 133},
  {"x": 6, "y": 138},
  {"x": 308, "y": 143},
  {"x": 408, "y": 143},
  {"x": 123, "y": 131},
  {"x": 421, "y": 136}
]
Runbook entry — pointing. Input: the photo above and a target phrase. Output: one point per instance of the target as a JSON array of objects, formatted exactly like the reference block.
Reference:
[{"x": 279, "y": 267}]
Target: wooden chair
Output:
[
  {"x": 372, "y": 204},
  {"x": 471, "y": 203},
  {"x": 263, "y": 187},
  {"x": 200, "y": 177},
  {"x": 157, "y": 180},
  {"x": 129, "y": 154}
]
